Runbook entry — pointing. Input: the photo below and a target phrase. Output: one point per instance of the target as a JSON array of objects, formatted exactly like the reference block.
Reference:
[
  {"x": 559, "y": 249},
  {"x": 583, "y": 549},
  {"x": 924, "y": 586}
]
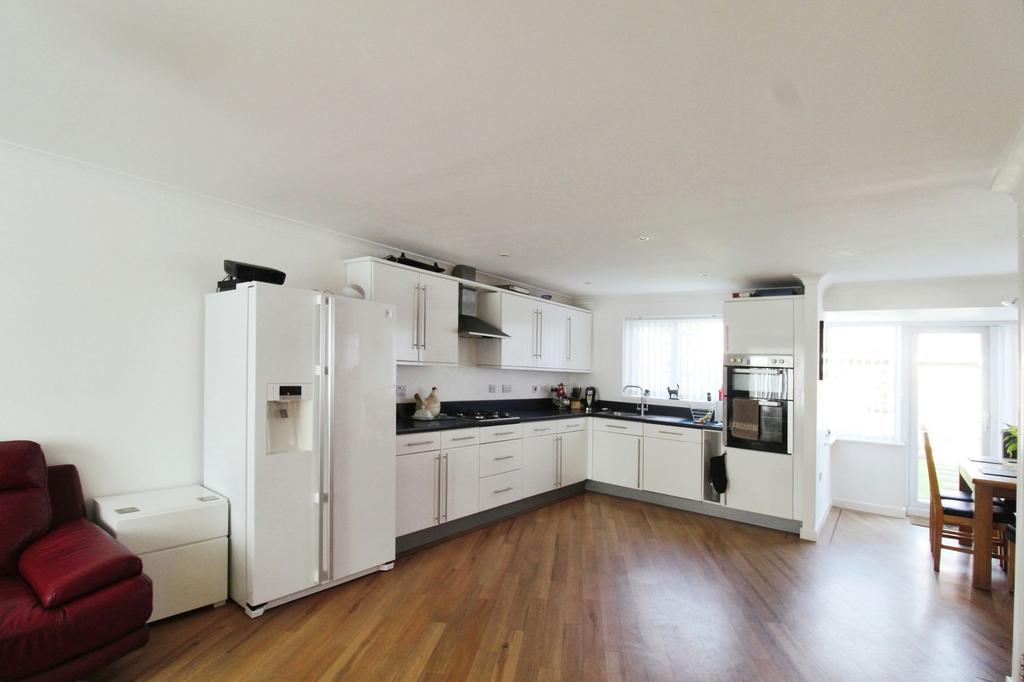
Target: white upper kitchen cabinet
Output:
[
  {"x": 616, "y": 458},
  {"x": 579, "y": 341},
  {"x": 760, "y": 482},
  {"x": 542, "y": 335},
  {"x": 540, "y": 464},
  {"x": 426, "y": 309},
  {"x": 759, "y": 326}
]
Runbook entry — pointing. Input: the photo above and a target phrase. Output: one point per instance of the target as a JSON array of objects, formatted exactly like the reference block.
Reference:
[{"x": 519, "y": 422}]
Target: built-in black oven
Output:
[{"x": 759, "y": 402}]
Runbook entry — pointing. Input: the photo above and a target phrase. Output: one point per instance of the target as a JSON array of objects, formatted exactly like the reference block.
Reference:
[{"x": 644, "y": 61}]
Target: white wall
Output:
[
  {"x": 102, "y": 309},
  {"x": 609, "y": 315},
  {"x": 953, "y": 292},
  {"x": 869, "y": 477},
  {"x": 468, "y": 382}
]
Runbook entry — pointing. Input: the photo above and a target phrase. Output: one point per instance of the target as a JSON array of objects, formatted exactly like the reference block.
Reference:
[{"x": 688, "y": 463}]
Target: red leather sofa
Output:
[{"x": 72, "y": 598}]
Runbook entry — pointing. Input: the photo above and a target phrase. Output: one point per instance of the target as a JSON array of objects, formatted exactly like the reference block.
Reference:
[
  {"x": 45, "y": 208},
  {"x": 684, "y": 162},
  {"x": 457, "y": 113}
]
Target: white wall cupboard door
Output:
[
  {"x": 401, "y": 288},
  {"x": 540, "y": 464},
  {"x": 574, "y": 457},
  {"x": 462, "y": 489},
  {"x": 672, "y": 467},
  {"x": 439, "y": 320},
  {"x": 416, "y": 503},
  {"x": 617, "y": 459},
  {"x": 554, "y": 328},
  {"x": 760, "y": 482},
  {"x": 579, "y": 342},
  {"x": 759, "y": 326},
  {"x": 519, "y": 320}
]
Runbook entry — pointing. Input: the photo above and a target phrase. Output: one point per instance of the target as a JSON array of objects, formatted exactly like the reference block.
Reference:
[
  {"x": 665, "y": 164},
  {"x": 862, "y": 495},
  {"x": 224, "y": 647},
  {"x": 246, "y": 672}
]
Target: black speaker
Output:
[{"x": 238, "y": 271}]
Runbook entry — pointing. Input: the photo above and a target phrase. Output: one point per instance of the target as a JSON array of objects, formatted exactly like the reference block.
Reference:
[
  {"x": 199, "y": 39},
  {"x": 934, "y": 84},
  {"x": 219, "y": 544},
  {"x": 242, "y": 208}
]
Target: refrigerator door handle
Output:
[{"x": 325, "y": 487}]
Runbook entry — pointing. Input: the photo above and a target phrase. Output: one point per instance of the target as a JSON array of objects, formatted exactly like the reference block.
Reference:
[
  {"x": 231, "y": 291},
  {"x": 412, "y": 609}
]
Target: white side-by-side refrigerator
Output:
[{"x": 299, "y": 435}]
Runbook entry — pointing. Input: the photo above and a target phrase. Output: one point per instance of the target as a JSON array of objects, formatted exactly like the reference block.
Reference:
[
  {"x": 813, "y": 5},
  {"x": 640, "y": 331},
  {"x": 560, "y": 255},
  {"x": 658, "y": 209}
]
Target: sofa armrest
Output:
[
  {"x": 65, "y": 494},
  {"x": 73, "y": 560}
]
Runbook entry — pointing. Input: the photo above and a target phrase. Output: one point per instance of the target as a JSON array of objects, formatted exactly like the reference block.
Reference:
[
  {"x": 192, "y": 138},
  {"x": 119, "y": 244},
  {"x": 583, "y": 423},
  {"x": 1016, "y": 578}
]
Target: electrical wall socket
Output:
[
  {"x": 400, "y": 390},
  {"x": 506, "y": 388},
  {"x": 491, "y": 388}
]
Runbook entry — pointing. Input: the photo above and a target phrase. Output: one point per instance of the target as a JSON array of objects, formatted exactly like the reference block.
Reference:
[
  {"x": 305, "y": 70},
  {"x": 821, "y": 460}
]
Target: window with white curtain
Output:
[
  {"x": 862, "y": 381},
  {"x": 658, "y": 353}
]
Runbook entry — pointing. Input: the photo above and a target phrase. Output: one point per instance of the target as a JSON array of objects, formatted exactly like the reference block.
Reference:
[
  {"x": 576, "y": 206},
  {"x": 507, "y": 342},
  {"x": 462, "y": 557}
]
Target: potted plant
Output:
[{"x": 1010, "y": 441}]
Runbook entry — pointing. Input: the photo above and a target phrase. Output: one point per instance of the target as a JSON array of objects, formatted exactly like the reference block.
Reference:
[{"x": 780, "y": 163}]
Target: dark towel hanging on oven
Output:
[{"x": 719, "y": 479}]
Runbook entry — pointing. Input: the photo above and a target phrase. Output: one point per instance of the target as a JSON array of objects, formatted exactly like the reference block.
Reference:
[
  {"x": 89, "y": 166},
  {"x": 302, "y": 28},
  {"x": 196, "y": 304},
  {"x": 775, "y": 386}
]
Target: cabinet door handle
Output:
[
  {"x": 536, "y": 333},
  {"x": 463, "y": 438},
  {"x": 503, "y": 490},
  {"x": 540, "y": 344},
  {"x": 539, "y": 430},
  {"x": 423, "y": 343},
  {"x": 498, "y": 459},
  {"x": 669, "y": 433},
  {"x": 558, "y": 462},
  {"x": 505, "y": 433},
  {"x": 422, "y": 442},
  {"x": 437, "y": 488},
  {"x": 568, "y": 339},
  {"x": 615, "y": 426},
  {"x": 416, "y": 322},
  {"x": 444, "y": 515}
]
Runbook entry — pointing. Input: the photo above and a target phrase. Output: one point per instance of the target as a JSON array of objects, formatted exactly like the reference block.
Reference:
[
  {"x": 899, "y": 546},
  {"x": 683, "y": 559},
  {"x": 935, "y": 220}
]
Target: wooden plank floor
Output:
[{"x": 597, "y": 587}]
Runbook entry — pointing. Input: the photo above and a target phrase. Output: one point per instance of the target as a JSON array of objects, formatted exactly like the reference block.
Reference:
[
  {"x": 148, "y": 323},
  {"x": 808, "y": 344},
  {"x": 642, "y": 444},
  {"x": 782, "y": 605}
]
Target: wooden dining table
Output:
[{"x": 988, "y": 481}]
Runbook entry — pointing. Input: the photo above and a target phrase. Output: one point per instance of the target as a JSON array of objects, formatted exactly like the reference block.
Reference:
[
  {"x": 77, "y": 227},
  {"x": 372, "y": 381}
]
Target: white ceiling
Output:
[{"x": 750, "y": 140}]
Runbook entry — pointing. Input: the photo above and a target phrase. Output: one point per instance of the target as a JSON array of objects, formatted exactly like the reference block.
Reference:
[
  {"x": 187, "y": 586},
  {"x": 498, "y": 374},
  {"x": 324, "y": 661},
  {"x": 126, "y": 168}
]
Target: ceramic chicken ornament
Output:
[{"x": 432, "y": 404}]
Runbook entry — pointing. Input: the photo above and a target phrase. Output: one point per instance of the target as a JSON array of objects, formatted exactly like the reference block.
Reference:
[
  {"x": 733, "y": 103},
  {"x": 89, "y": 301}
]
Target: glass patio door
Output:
[{"x": 949, "y": 398}]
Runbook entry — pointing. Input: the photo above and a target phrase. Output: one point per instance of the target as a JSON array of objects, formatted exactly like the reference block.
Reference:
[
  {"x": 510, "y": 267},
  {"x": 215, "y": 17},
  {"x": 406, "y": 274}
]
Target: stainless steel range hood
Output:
[{"x": 471, "y": 326}]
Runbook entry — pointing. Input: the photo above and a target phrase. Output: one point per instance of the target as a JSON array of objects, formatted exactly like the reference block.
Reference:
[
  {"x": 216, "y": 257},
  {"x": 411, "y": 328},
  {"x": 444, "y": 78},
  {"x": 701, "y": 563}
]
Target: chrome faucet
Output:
[{"x": 642, "y": 405}]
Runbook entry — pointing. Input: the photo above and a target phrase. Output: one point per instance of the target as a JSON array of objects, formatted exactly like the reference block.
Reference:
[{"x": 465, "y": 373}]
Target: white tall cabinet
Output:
[
  {"x": 426, "y": 309},
  {"x": 759, "y": 326}
]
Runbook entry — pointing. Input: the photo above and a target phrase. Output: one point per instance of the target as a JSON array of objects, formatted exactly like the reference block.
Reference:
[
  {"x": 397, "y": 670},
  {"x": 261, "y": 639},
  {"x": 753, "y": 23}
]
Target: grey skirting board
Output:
[
  {"x": 435, "y": 534},
  {"x": 708, "y": 508}
]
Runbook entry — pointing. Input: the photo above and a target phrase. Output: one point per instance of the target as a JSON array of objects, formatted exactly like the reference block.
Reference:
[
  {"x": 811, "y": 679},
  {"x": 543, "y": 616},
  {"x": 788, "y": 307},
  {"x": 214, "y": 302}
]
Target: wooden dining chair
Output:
[{"x": 953, "y": 519}]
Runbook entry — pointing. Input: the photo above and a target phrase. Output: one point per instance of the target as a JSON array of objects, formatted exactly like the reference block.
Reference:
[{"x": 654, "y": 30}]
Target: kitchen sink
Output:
[{"x": 664, "y": 419}]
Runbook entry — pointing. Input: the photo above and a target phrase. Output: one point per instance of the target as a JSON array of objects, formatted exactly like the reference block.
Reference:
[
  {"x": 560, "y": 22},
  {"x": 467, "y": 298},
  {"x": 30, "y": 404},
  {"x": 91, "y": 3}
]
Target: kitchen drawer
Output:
[
  {"x": 567, "y": 425},
  {"x": 458, "y": 438},
  {"x": 501, "y": 489},
  {"x": 409, "y": 443},
  {"x": 681, "y": 433},
  {"x": 492, "y": 434},
  {"x": 496, "y": 458},
  {"x": 545, "y": 428},
  {"x": 618, "y": 426}
]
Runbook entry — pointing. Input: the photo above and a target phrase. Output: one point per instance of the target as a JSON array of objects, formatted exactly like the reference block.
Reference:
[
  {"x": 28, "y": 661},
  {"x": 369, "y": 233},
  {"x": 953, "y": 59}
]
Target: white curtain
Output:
[{"x": 658, "y": 353}]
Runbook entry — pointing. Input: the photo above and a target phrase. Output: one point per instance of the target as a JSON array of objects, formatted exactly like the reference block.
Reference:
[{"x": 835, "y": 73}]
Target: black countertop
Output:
[{"x": 409, "y": 425}]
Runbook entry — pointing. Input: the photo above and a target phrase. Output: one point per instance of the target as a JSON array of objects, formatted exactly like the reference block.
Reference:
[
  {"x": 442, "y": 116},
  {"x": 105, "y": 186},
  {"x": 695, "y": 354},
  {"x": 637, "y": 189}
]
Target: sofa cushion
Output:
[
  {"x": 24, "y": 501},
  {"x": 75, "y": 559},
  {"x": 33, "y": 639}
]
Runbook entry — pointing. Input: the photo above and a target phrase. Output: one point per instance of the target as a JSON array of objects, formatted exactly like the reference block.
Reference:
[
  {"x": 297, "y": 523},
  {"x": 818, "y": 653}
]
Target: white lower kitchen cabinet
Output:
[
  {"x": 673, "y": 467},
  {"x": 540, "y": 464},
  {"x": 436, "y": 486},
  {"x": 461, "y": 471},
  {"x": 416, "y": 492},
  {"x": 501, "y": 489},
  {"x": 616, "y": 458},
  {"x": 760, "y": 482},
  {"x": 574, "y": 457}
]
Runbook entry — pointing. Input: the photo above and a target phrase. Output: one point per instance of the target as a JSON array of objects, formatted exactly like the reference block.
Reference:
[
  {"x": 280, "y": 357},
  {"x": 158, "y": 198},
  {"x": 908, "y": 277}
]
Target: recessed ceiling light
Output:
[
  {"x": 586, "y": 282},
  {"x": 643, "y": 237},
  {"x": 704, "y": 274},
  {"x": 504, "y": 255}
]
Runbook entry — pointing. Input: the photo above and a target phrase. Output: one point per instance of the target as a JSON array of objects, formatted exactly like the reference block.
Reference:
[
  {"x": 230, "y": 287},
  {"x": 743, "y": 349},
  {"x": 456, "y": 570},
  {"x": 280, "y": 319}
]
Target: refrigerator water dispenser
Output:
[{"x": 289, "y": 418}]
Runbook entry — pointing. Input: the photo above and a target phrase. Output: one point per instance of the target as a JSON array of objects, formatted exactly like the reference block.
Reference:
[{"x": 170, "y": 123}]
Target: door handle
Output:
[
  {"x": 615, "y": 426},
  {"x": 462, "y": 438},
  {"x": 444, "y": 515},
  {"x": 416, "y": 319},
  {"x": 503, "y": 490},
  {"x": 437, "y": 488},
  {"x": 639, "y": 458},
  {"x": 498, "y": 459},
  {"x": 558, "y": 462},
  {"x": 423, "y": 343}
]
